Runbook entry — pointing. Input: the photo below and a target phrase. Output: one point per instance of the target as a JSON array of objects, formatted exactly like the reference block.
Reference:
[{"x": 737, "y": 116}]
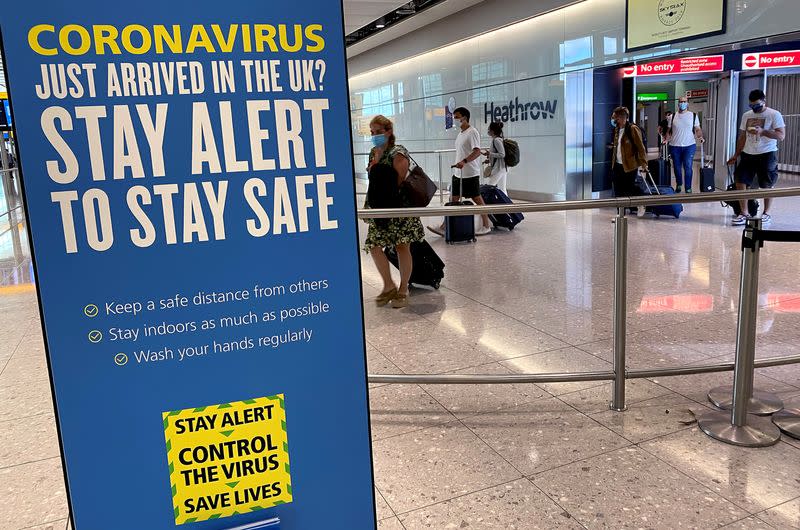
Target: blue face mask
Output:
[
  {"x": 379, "y": 140},
  {"x": 683, "y": 106},
  {"x": 757, "y": 107},
  {"x": 613, "y": 122}
]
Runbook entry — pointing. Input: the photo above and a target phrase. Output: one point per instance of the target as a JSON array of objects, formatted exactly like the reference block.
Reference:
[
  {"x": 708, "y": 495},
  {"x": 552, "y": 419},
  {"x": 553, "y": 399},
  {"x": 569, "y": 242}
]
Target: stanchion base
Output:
[
  {"x": 759, "y": 432},
  {"x": 761, "y": 404},
  {"x": 788, "y": 421}
]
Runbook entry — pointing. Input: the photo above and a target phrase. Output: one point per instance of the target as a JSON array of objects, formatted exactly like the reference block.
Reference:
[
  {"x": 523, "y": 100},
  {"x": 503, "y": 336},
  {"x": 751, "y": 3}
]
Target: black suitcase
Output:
[
  {"x": 459, "y": 228},
  {"x": 706, "y": 173},
  {"x": 661, "y": 170},
  {"x": 494, "y": 195},
  {"x": 428, "y": 268}
]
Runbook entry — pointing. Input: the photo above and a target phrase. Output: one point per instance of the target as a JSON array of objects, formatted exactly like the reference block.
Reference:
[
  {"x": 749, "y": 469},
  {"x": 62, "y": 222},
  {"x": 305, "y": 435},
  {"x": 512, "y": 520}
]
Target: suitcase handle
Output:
[{"x": 652, "y": 181}]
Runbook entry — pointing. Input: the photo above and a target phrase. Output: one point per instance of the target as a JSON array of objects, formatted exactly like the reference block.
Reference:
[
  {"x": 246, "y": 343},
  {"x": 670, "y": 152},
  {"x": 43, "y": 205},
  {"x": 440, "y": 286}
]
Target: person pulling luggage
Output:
[
  {"x": 388, "y": 167},
  {"x": 629, "y": 155},
  {"x": 761, "y": 129},
  {"x": 467, "y": 184}
]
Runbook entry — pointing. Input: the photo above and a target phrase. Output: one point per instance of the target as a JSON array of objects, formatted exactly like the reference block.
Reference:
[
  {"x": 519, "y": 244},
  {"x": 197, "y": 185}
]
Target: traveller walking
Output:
[
  {"x": 388, "y": 167},
  {"x": 496, "y": 158},
  {"x": 684, "y": 133},
  {"x": 467, "y": 183},
  {"x": 760, "y": 131},
  {"x": 629, "y": 154}
]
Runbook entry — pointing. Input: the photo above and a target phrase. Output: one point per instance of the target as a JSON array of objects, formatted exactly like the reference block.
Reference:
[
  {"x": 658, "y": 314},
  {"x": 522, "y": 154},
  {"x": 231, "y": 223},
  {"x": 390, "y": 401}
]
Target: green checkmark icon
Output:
[
  {"x": 121, "y": 359},
  {"x": 95, "y": 336},
  {"x": 91, "y": 311}
]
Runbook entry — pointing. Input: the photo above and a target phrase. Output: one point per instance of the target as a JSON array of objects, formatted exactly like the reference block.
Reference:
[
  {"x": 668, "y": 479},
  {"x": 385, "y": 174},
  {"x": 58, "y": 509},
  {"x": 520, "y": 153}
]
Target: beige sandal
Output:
[
  {"x": 384, "y": 298},
  {"x": 400, "y": 301}
]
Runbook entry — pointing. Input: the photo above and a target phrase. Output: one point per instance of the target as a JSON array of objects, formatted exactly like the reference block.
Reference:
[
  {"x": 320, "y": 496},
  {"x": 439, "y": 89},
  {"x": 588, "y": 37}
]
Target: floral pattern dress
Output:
[{"x": 400, "y": 230}]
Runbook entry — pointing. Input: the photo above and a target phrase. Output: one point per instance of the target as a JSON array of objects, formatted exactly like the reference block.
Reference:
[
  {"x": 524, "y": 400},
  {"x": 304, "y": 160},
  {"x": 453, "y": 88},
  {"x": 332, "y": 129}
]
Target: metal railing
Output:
[{"x": 619, "y": 373}]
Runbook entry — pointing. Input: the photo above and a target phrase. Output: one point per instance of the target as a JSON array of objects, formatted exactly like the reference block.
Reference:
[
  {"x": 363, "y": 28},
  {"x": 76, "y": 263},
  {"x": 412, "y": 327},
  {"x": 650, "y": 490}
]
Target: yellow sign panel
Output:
[
  {"x": 228, "y": 459},
  {"x": 655, "y": 22}
]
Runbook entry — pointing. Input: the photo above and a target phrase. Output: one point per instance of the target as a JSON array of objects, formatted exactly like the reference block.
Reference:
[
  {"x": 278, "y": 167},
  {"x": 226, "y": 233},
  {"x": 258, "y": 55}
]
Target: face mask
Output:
[
  {"x": 683, "y": 106},
  {"x": 613, "y": 122},
  {"x": 379, "y": 140},
  {"x": 757, "y": 107}
]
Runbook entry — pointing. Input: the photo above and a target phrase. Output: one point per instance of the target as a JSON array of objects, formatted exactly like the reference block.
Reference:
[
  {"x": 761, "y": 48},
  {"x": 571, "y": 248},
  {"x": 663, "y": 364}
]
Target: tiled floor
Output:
[{"x": 518, "y": 456}]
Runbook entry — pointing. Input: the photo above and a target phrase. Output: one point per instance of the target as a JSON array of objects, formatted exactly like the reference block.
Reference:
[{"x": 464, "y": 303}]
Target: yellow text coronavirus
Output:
[{"x": 136, "y": 39}]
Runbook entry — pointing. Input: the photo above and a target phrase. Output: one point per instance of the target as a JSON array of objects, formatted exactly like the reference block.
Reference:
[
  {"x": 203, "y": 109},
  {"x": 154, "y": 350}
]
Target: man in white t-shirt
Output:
[
  {"x": 684, "y": 133},
  {"x": 761, "y": 130},
  {"x": 467, "y": 181}
]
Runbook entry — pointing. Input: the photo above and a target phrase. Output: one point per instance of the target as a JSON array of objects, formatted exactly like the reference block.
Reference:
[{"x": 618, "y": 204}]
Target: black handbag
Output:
[{"x": 418, "y": 188}]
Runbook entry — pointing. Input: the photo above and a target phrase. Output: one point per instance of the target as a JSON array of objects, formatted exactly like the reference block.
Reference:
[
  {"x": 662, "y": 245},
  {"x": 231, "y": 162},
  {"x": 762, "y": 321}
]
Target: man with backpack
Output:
[
  {"x": 684, "y": 133},
  {"x": 629, "y": 154}
]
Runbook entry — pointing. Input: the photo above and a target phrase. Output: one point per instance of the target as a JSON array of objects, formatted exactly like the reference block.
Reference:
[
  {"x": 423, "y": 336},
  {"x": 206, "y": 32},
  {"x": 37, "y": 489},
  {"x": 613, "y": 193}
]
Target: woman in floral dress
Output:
[{"x": 397, "y": 232}]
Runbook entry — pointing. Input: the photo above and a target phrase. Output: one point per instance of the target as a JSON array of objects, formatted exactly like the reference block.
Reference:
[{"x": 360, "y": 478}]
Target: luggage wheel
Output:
[{"x": 436, "y": 284}]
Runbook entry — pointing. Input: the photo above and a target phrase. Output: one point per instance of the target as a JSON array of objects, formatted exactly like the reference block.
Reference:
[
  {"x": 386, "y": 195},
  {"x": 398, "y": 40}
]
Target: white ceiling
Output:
[{"x": 359, "y": 13}]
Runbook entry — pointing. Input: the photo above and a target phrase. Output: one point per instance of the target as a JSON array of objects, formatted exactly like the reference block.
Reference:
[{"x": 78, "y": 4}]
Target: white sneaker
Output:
[
  {"x": 482, "y": 231},
  {"x": 739, "y": 220},
  {"x": 640, "y": 211},
  {"x": 766, "y": 219}
]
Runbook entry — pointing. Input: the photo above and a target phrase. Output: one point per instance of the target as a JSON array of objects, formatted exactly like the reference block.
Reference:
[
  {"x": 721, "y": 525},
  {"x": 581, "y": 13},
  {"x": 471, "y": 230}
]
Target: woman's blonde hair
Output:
[{"x": 387, "y": 125}]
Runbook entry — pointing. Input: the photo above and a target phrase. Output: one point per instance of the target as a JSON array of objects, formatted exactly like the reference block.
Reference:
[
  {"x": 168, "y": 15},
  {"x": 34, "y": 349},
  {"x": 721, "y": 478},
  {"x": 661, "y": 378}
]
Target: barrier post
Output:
[
  {"x": 620, "y": 309},
  {"x": 788, "y": 421},
  {"x": 737, "y": 427},
  {"x": 441, "y": 180},
  {"x": 758, "y": 402}
]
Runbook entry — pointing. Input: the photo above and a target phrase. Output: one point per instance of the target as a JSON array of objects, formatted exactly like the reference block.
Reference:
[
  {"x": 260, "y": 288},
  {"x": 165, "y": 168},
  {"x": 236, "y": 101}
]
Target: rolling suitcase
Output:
[
  {"x": 661, "y": 168},
  {"x": 494, "y": 195},
  {"x": 459, "y": 228},
  {"x": 706, "y": 173},
  {"x": 674, "y": 210},
  {"x": 428, "y": 268}
]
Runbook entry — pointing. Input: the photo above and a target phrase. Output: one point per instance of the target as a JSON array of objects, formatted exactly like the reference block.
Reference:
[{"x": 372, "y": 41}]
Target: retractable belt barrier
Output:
[
  {"x": 735, "y": 427},
  {"x": 743, "y": 425}
]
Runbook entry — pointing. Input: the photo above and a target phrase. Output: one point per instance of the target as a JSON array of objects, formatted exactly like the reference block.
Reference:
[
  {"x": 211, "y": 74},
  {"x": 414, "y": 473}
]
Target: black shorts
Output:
[
  {"x": 468, "y": 187},
  {"x": 763, "y": 167}
]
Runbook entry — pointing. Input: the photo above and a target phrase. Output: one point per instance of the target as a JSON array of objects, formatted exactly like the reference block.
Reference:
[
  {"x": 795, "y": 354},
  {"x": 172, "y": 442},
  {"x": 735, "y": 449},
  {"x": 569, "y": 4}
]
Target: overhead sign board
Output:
[
  {"x": 655, "y": 96},
  {"x": 766, "y": 60},
  {"x": 189, "y": 192},
  {"x": 696, "y": 94},
  {"x": 652, "y": 23},
  {"x": 686, "y": 65}
]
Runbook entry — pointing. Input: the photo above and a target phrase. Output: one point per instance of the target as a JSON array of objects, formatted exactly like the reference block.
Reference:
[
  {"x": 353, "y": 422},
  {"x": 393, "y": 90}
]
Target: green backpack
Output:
[{"x": 512, "y": 152}]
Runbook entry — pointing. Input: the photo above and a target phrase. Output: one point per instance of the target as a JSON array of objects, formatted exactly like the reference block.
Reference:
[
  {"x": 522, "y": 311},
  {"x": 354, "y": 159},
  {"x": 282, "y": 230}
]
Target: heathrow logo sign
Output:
[{"x": 517, "y": 110}]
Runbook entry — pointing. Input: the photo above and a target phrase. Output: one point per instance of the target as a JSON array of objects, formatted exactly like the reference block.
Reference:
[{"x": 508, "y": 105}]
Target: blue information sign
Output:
[{"x": 187, "y": 168}]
